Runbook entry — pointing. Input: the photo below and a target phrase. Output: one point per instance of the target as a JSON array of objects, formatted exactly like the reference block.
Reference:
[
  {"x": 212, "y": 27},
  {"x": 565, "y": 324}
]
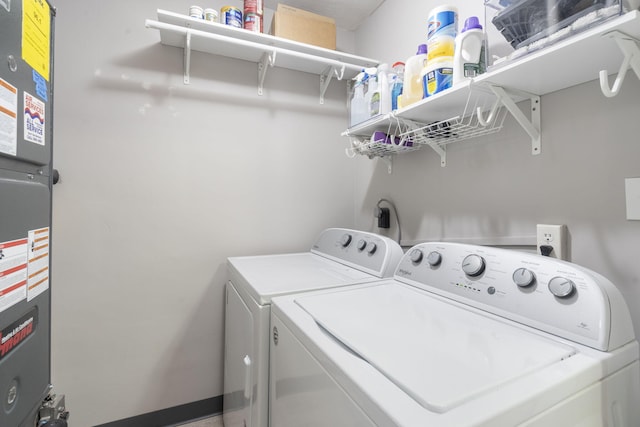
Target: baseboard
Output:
[{"x": 172, "y": 416}]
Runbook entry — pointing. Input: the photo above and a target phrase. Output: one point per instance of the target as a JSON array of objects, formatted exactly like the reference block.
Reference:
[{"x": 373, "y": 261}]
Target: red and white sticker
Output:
[
  {"x": 33, "y": 119},
  {"x": 8, "y": 118},
  {"x": 13, "y": 272},
  {"x": 38, "y": 267}
]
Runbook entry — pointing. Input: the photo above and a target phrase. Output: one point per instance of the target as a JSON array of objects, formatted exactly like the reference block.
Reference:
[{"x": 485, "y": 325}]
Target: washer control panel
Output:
[
  {"x": 364, "y": 251},
  {"x": 548, "y": 294}
]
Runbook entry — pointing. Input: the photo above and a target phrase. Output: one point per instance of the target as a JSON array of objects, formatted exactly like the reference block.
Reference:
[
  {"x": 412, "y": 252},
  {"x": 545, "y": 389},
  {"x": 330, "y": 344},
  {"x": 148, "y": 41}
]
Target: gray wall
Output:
[
  {"x": 160, "y": 183},
  {"x": 494, "y": 190}
]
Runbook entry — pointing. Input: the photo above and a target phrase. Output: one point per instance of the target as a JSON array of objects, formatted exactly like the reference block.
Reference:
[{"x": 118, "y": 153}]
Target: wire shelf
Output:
[
  {"x": 470, "y": 124},
  {"x": 393, "y": 140}
]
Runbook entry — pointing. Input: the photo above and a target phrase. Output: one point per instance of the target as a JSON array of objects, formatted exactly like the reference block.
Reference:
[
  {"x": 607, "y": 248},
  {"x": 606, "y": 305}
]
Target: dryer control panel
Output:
[
  {"x": 545, "y": 293},
  {"x": 368, "y": 252}
]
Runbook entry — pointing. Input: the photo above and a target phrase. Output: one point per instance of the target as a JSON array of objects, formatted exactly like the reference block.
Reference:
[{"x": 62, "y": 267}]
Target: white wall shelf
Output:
[
  {"x": 266, "y": 51},
  {"x": 578, "y": 59}
]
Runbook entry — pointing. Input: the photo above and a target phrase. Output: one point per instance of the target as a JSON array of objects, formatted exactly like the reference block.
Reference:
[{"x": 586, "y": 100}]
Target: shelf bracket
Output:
[
  {"x": 326, "y": 76},
  {"x": 389, "y": 161},
  {"x": 267, "y": 60},
  {"x": 187, "y": 56},
  {"x": 630, "y": 47},
  {"x": 532, "y": 127}
]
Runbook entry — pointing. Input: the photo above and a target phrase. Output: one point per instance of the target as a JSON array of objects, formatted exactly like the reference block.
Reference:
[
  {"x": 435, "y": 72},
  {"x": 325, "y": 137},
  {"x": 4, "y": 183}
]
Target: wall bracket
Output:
[
  {"x": 187, "y": 56},
  {"x": 630, "y": 47},
  {"x": 268, "y": 59},
  {"x": 326, "y": 76},
  {"x": 531, "y": 126}
]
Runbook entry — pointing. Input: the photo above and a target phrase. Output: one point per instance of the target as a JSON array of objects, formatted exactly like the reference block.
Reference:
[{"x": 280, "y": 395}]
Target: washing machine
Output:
[
  {"x": 461, "y": 336},
  {"x": 339, "y": 257}
]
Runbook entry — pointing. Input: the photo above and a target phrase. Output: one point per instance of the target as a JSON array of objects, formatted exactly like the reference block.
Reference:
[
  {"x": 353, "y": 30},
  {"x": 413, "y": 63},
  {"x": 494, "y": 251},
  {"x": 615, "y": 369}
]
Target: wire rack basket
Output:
[
  {"x": 471, "y": 123},
  {"x": 384, "y": 143}
]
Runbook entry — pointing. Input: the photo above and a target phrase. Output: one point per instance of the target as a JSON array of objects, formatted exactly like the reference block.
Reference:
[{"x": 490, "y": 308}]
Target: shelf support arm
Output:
[
  {"x": 630, "y": 47},
  {"x": 326, "y": 76},
  {"x": 532, "y": 127},
  {"x": 267, "y": 60},
  {"x": 187, "y": 57}
]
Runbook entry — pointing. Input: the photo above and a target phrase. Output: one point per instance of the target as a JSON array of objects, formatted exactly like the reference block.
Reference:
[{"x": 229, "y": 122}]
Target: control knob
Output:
[
  {"x": 362, "y": 244},
  {"x": 434, "y": 258},
  {"x": 371, "y": 247},
  {"x": 416, "y": 255},
  {"x": 345, "y": 240},
  {"x": 523, "y": 277},
  {"x": 561, "y": 287},
  {"x": 473, "y": 265}
]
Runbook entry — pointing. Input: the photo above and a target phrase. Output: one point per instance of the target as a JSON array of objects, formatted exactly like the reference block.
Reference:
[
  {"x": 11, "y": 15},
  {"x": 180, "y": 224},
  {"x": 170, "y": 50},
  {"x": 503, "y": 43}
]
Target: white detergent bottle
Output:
[
  {"x": 412, "y": 86},
  {"x": 468, "y": 57},
  {"x": 359, "y": 110},
  {"x": 381, "y": 97},
  {"x": 372, "y": 86}
]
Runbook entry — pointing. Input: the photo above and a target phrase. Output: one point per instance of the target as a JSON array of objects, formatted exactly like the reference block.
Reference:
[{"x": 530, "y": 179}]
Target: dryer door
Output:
[{"x": 239, "y": 361}]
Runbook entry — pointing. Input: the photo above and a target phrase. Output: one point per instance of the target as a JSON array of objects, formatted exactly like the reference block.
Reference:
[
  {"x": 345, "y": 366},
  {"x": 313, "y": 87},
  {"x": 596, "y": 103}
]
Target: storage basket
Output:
[{"x": 524, "y": 21}]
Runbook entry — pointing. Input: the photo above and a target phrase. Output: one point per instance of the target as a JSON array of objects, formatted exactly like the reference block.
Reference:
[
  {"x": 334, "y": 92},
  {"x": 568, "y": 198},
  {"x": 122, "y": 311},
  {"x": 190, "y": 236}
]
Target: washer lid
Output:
[
  {"x": 439, "y": 353},
  {"x": 267, "y": 276}
]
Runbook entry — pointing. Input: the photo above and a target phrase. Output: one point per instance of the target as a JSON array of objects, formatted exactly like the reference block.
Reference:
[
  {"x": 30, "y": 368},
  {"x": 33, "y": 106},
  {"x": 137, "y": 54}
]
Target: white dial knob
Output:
[
  {"x": 345, "y": 240},
  {"x": 434, "y": 258},
  {"x": 473, "y": 265},
  {"x": 561, "y": 287},
  {"x": 362, "y": 244},
  {"x": 523, "y": 277},
  {"x": 371, "y": 247},
  {"x": 416, "y": 255}
]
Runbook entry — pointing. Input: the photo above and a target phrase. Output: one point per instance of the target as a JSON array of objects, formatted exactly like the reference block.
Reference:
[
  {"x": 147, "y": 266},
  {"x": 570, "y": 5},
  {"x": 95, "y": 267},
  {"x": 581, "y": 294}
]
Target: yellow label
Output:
[{"x": 36, "y": 35}]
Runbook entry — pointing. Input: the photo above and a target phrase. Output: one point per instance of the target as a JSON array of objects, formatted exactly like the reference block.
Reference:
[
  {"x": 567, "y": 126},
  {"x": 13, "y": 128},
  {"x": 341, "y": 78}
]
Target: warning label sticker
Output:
[
  {"x": 8, "y": 118},
  {"x": 13, "y": 272},
  {"x": 33, "y": 119},
  {"x": 38, "y": 268}
]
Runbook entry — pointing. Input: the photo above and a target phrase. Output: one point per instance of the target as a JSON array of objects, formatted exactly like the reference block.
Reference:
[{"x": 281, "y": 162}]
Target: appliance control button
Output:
[
  {"x": 345, "y": 240},
  {"x": 473, "y": 265},
  {"x": 523, "y": 277},
  {"x": 362, "y": 244},
  {"x": 371, "y": 247},
  {"x": 561, "y": 287},
  {"x": 434, "y": 258},
  {"x": 416, "y": 255},
  {"x": 491, "y": 290}
]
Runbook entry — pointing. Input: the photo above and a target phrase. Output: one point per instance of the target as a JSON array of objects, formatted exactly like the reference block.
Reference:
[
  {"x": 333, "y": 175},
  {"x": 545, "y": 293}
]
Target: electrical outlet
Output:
[{"x": 552, "y": 240}]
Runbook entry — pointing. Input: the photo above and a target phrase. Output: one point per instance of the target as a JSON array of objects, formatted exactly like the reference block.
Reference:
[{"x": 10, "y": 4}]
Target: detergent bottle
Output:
[
  {"x": 381, "y": 96},
  {"x": 468, "y": 58},
  {"x": 412, "y": 87},
  {"x": 396, "y": 83}
]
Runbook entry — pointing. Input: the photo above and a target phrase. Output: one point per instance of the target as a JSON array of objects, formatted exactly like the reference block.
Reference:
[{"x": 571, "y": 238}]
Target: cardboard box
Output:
[{"x": 304, "y": 27}]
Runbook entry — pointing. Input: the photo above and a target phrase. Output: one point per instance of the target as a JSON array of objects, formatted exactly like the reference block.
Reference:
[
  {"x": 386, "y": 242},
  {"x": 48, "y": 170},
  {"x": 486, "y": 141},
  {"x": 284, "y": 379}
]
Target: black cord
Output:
[{"x": 395, "y": 211}]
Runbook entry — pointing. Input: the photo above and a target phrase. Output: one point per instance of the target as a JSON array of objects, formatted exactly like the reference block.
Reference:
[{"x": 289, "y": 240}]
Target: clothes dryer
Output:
[
  {"x": 339, "y": 257},
  {"x": 462, "y": 336}
]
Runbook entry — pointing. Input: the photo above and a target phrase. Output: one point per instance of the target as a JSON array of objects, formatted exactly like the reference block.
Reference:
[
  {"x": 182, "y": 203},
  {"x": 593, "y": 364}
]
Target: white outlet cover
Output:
[{"x": 632, "y": 190}]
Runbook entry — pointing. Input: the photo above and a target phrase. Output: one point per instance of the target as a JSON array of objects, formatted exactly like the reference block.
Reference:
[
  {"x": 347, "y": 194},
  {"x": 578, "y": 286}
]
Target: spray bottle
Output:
[
  {"x": 396, "y": 83},
  {"x": 359, "y": 110}
]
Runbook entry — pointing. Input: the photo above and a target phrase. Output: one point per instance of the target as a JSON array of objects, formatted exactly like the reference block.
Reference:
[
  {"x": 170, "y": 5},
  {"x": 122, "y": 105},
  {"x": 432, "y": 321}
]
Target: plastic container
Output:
[
  {"x": 211, "y": 15},
  {"x": 370, "y": 86},
  {"x": 358, "y": 108},
  {"x": 253, "y": 22},
  {"x": 412, "y": 86},
  {"x": 381, "y": 97},
  {"x": 469, "y": 59},
  {"x": 438, "y": 75},
  {"x": 196, "y": 12},
  {"x": 442, "y": 31},
  {"x": 397, "y": 82}
]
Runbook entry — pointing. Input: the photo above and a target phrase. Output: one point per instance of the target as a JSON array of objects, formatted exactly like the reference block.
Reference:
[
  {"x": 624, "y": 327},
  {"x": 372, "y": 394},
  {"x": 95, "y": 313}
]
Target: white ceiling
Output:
[{"x": 347, "y": 13}]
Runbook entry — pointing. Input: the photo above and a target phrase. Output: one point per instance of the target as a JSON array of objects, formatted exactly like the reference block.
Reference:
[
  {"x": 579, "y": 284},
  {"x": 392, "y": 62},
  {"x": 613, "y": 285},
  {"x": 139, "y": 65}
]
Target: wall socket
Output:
[{"x": 552, "y": 240}]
